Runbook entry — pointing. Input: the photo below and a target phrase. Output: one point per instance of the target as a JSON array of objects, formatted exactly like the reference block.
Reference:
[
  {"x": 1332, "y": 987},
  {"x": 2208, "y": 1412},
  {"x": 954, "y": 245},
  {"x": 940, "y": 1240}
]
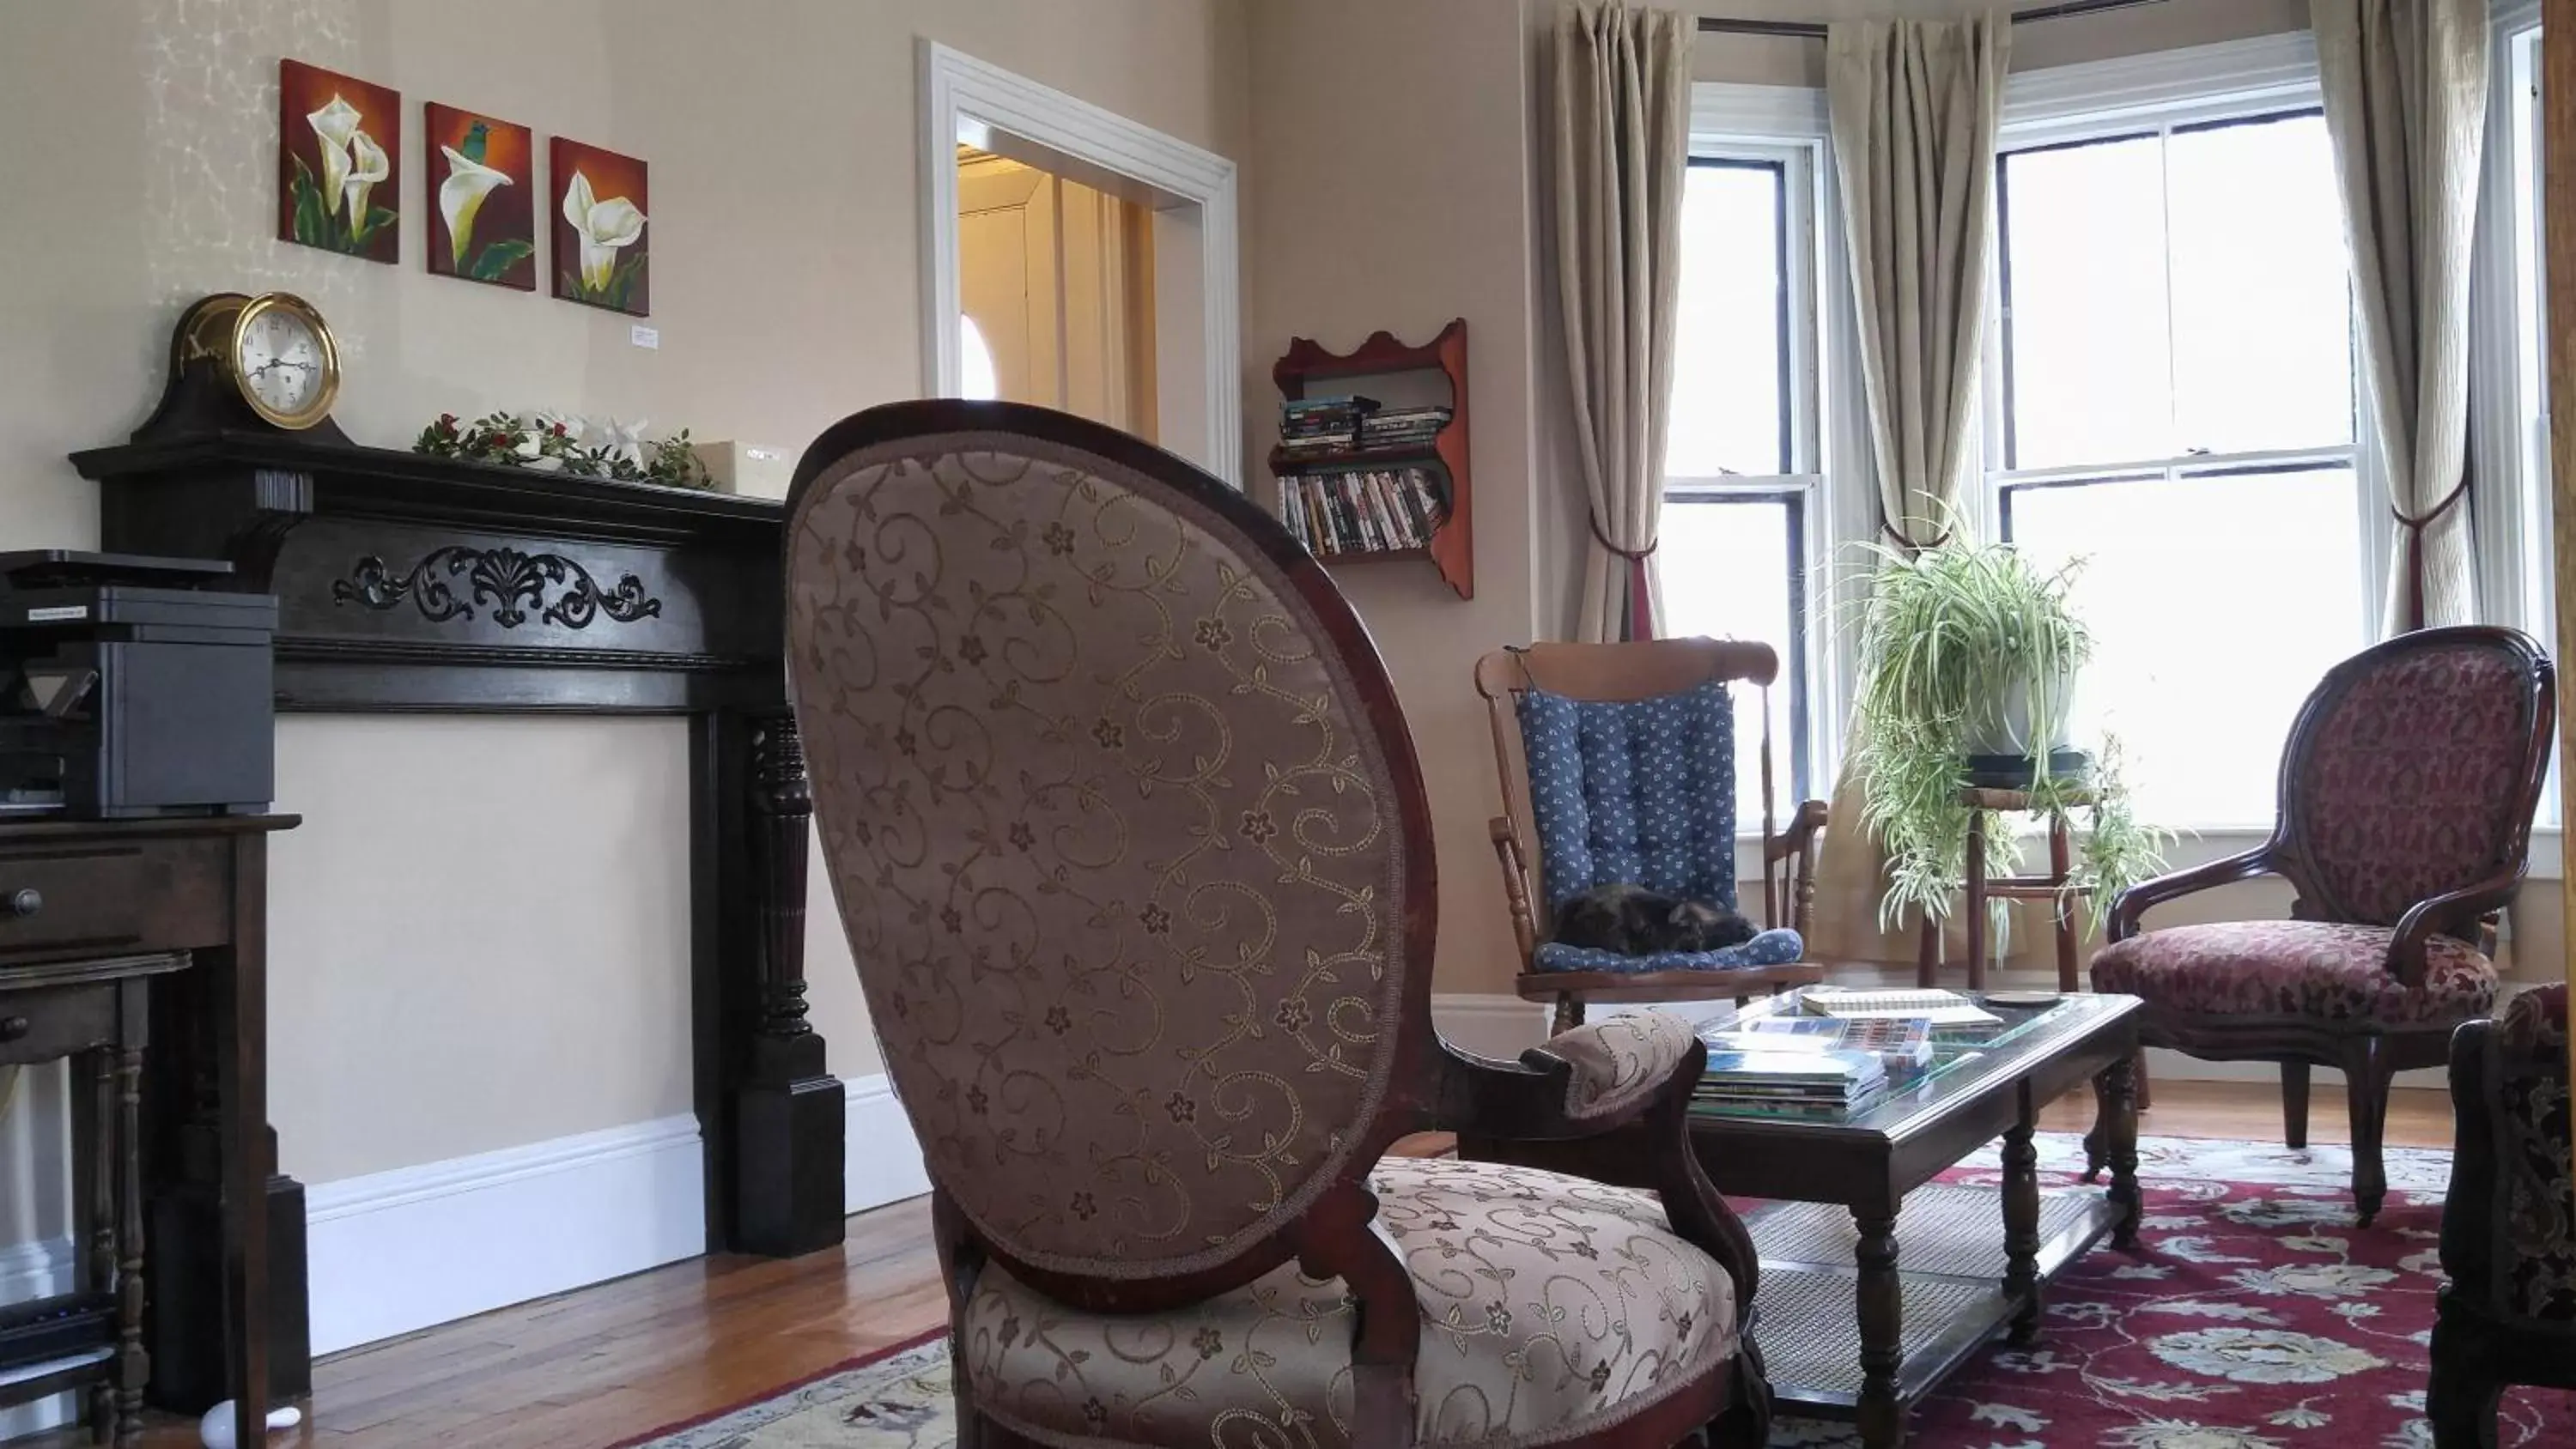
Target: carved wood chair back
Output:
[
  {"x": 2413, "y": 771},
  {"x": 1129, "y": 838},
  {"x": 1611, "y": 673}
]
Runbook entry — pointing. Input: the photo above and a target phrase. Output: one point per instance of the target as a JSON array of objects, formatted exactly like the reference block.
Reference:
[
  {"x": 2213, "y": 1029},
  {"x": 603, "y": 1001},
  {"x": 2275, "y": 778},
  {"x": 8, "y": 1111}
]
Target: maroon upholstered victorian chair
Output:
[
  {"x": 1132, "y": 850},
  {"x": 2407, "y": 791}
]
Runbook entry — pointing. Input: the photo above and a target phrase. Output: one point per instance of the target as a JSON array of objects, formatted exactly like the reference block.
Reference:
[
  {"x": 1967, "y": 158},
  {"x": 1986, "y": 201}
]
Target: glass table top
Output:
[{"x": 1964, "y": 1059}]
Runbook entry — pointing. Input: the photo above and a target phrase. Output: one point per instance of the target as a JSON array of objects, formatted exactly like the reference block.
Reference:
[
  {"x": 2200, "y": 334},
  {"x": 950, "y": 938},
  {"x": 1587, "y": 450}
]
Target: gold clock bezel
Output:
[{"x": 329, "y": 392}]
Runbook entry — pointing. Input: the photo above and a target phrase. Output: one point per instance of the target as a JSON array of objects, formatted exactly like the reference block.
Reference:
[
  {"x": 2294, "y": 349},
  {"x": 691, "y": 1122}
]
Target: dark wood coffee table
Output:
[{"x": 1844, "y": 1331}]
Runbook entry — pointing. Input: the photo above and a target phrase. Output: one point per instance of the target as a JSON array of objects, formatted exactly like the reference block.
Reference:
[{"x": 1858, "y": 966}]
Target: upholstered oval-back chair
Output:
[
  {"x": 2406, "y": 796},
  {"x": 1132, "y": 850}
]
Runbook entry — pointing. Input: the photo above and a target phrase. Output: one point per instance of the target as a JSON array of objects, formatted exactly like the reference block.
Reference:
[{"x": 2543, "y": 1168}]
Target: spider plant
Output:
[{"x": 1963, "y": 646}]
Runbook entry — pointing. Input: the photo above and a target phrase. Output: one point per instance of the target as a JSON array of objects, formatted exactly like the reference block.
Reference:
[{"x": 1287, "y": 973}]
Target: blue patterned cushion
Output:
[
  {"x": 1636, "y": 792},
  {"x": 1771, "y": 948}
]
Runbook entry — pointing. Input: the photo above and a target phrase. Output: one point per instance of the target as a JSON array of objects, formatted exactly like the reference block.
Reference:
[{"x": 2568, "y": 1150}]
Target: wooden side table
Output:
[
  {"x": 95, "y": 1012},
  {"x": 2057, "y": 888}
]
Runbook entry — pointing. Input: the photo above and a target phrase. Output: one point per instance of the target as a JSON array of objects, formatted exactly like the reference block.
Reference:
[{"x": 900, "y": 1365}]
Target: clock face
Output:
[{"x": 278, "y": 354}]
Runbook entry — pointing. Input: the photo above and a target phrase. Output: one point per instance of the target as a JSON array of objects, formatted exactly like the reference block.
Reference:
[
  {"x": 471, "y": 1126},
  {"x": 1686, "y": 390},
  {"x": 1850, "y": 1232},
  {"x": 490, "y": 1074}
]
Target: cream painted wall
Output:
[
  {"x": 1390, "y": 188},
  {"x": 479, "y": 938}
]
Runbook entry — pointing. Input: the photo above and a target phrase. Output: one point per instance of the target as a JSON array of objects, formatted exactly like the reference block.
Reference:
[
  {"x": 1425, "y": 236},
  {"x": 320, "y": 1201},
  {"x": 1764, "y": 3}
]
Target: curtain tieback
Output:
[
  {"x": 2415, "y": 547},
  {"x": 2458, "y": 491},
  {"x": 1907, "y": 544},
  {"x": 1632, "y": 555}
]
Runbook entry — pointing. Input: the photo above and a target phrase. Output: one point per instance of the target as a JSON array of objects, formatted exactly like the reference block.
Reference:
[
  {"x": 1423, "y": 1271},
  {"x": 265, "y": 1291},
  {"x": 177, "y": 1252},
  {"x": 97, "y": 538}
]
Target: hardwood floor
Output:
[{"x": 594, "y": 1368}]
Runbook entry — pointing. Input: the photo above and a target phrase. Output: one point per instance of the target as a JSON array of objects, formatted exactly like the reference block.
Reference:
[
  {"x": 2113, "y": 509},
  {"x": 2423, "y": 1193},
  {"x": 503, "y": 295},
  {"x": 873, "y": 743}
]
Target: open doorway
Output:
[
  {"x": 1078, "y": 260},
  {"x": 1055, "y": 293}
]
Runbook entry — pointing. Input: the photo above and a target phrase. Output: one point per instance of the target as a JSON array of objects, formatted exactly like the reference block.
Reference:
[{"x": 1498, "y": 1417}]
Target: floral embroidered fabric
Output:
[
  {"x": 1552, "y": 1307},
  {"x": 1114, "y": 841},
  {"x": 2537, "y": 1167},
  {"x": 2411, "y": 783},
  {"x": 2322, "y": 969},
  {"x": 1620, "y": 1060}
]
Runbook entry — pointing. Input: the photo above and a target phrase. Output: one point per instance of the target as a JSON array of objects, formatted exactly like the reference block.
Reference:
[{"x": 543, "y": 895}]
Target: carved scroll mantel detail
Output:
[{"x": 510, "y": 580}]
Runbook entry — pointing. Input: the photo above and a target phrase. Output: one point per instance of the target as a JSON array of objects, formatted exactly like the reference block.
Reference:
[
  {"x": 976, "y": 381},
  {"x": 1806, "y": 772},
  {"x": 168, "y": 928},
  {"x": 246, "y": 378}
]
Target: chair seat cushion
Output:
[
  {"x": 1552, "y": 1307},
  {"x": 2323, "y": 969},
  {"x": 1770, "y": 948}
]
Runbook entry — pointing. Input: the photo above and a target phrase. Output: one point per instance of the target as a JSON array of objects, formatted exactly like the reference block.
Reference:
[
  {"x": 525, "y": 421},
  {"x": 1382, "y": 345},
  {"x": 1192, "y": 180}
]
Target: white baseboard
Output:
[
  {"x": 28, "y": 1271},
  {"x": 399, "y": 1251},
  {"x": 393, "y": 1252},
  {"x": 885, "y": 1158}
]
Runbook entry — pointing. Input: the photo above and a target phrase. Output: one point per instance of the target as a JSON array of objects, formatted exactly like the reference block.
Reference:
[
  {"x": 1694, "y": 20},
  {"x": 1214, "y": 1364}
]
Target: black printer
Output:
[{"x": 133, "y": 686}]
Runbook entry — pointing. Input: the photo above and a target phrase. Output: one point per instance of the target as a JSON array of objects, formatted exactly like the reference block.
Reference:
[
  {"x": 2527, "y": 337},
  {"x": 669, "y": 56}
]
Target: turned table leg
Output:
[
  {"x": 2021, "y": 1224},
  {"x": 1881, "y": 1303}
]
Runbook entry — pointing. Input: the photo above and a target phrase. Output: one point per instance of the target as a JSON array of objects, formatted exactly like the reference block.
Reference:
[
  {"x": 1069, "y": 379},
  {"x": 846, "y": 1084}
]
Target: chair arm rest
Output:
[
  {"x": 2135, "y": 901},
  {"x": 1803, "y": 824},
  {"x": 2406, "y": 950},
  {"x": 1637, "y": 1134},
  {"x": 1582, "y": 1083}
]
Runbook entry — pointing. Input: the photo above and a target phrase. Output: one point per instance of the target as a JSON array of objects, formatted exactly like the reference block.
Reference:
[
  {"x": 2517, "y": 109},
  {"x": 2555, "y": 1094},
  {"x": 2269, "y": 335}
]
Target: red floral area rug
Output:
[{"x": 2251, "y": 1315}]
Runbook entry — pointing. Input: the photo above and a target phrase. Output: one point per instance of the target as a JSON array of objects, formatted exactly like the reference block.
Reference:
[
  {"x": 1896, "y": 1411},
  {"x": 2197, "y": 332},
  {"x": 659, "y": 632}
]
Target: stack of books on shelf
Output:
[
  {"x": 1402, "y": 427},
  {"x": 1329, "y": 427},
  {"x": 1361, "y": 510},
  {"x": 1319, "y": 427},
  {"x": 1789, "y": 1067}
]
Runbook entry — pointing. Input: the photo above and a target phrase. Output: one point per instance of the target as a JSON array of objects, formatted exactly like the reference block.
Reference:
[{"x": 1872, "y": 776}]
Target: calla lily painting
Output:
[
  {"x": 599, "y": 221},
  {"x": 482, "y": 187},
  {"x": 339, "y": 143}
]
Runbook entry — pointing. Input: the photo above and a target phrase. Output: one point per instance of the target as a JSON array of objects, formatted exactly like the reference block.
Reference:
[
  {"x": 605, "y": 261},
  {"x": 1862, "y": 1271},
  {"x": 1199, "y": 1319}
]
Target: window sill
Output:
[{"x": 2199, "y": 847}]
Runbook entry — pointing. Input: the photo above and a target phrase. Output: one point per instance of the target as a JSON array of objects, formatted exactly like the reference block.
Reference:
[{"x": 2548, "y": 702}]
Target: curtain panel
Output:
[
  {"x": 1622, "y": 145},
  {"x": 2406, "y": 97},
  {"x": 1914, "y": 107}
]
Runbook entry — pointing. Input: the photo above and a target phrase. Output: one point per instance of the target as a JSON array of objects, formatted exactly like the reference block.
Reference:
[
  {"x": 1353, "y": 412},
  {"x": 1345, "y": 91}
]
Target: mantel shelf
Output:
[{"x": 410, "y": 582}]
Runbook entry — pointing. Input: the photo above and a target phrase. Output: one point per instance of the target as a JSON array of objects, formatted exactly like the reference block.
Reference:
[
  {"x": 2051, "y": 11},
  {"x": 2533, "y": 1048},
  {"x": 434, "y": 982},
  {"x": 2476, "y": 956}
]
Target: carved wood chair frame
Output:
[
  {"x": 1434, "y": 1087},
  {"x": 2369, "y": 1054}
]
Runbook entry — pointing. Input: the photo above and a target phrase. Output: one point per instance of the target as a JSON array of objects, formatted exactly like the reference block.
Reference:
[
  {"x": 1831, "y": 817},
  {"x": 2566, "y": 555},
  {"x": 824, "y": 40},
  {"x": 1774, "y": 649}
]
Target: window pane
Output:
[
  {"x": 2086, "y": 339},
  {"x": 1730, "y": 352},
  {"x": 2262, "y": 308},
  {"x": 2216, "y": 604},
  {"x": 1729, "y": 570}
]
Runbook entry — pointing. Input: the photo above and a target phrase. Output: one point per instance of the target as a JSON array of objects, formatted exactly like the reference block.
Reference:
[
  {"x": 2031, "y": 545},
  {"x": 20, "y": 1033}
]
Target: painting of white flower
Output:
[
  {"x": 485, "y": 227},
  {"x": 599, "y": 223},
  {"x": 2262, "y": 1355},
  {"x": 338, "y": 141}
]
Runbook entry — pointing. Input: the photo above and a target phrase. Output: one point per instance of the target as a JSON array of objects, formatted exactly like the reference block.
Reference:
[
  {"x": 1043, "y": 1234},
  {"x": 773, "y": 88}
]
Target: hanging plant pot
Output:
[{"x": 2001, "y": 740}]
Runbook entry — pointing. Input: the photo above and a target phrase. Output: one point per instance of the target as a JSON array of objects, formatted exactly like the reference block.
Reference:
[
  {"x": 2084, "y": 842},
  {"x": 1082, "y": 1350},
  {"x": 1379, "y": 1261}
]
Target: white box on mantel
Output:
[{"x": 756, "y": 470}]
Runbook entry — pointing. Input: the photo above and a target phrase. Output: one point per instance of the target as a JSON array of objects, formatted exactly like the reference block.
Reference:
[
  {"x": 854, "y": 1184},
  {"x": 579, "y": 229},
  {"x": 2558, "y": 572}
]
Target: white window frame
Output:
[
  {"x": 1786, "y": 126},
  {"x": 2238, "y": 80},
  {"x": 2510, "y": 504}
]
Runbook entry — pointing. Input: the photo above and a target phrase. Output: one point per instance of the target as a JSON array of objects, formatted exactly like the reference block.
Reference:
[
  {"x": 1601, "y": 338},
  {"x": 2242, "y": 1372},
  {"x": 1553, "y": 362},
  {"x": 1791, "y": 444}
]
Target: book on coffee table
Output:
[{"x": 1940, "y": 1008}]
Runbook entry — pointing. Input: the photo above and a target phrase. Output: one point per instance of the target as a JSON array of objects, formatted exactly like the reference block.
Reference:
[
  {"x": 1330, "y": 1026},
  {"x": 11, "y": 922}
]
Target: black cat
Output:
[{"x": 1635, "y": 921}]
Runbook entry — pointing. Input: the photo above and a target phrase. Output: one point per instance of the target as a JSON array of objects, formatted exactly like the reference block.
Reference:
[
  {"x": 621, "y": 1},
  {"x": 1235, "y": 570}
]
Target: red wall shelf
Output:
[{"x": 1453, "y": 545}]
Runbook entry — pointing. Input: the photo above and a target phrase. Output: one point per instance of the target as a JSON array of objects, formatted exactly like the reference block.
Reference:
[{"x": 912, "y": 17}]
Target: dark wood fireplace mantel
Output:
[{"x": 410, "y": 583}]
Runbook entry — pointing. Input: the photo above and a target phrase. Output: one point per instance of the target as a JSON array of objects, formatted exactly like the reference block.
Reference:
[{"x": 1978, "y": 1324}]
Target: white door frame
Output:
[{"x": 961, "y": 94}]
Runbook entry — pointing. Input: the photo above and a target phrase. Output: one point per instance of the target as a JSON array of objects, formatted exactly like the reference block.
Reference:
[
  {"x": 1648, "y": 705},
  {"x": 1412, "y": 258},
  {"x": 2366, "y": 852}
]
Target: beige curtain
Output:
[
  {"x": 1622, "y": 143},
  {"x": 1914, "y": 106},
  {"x": 2406, "y": 97}
]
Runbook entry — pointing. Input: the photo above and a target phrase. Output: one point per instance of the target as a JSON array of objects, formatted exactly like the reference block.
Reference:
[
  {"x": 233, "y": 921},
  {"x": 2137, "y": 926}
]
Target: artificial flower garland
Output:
[{"x": 551, "y": 444}]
